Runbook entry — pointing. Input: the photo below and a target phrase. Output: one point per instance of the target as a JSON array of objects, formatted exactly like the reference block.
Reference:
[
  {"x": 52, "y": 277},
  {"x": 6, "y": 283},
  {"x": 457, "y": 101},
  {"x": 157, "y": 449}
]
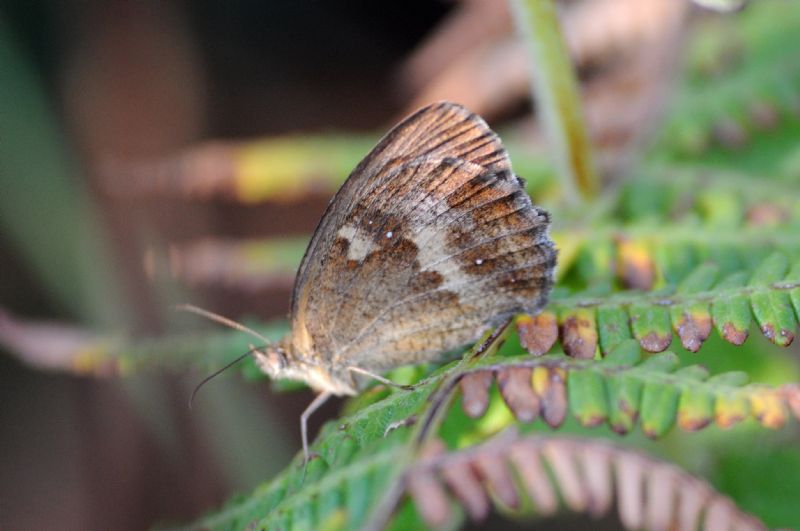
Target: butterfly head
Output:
[
  {"x": 273, "y": 360},
  {"x": 281, "y": 361}
]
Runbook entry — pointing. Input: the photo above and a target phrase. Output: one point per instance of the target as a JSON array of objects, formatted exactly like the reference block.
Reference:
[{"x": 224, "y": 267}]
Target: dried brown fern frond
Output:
[{"x": 536, "y": 475}]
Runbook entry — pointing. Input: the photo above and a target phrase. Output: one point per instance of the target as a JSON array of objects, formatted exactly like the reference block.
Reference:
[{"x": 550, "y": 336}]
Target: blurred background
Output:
[{"x": 158, "y": 152}]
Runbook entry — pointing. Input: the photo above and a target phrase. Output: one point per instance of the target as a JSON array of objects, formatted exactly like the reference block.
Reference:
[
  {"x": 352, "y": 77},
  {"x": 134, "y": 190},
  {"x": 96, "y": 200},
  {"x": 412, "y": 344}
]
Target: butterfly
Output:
[{"x": 430, "y": 241}]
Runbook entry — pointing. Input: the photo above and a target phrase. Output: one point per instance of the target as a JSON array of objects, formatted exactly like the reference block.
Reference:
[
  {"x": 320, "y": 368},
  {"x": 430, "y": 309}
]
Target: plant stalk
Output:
[{"x": 555, "y": 90}]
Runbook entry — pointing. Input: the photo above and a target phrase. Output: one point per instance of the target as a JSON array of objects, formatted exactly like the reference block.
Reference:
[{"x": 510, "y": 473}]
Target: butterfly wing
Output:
[
  {"x": 437, "y": 131},
  {"x": 431, "y": 240}
]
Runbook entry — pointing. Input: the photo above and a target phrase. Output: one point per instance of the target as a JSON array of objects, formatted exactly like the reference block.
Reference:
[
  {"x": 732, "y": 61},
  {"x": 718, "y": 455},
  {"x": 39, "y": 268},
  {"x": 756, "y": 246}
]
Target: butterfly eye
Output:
[{"x": 284, "y": 361}]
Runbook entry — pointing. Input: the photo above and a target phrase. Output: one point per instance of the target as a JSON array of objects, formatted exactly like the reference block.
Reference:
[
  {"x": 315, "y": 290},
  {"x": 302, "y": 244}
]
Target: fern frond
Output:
[
  {"x": 361, "y": 458},
  {"x": 741, "y": 81},
  {"x": 535, "y": 475},
  {"x": 355, "y": 460},
  {"x": 63, "y": 347},
  {"x": 622, "y": 389},
  {"x": 585, "y": 321},
  {"x": 702, "y": 298}
]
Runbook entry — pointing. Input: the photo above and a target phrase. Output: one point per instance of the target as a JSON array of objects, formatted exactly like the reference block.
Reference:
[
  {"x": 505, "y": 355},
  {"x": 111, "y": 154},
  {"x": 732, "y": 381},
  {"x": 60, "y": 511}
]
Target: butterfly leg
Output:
[
  {"x": 380, "y": 378},
  {"x": 312, "y": 407}
]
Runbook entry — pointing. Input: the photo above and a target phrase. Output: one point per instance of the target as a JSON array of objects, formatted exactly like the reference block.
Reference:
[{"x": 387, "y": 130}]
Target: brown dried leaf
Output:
[
  {"x": 550, "y": 384},
  {"x": 733, "y": 335},
  {"x": 560, "y": 457},
  {"x": 279, "y": 169},
  {"x": 461, "y": 479},
  {"x": 650, "y": 494},
  {"x": 232, "y": 264},
  {"x": 475, "y": 392},
  {"x": 692, "y": 496},
  {"x": 693, "y": 329},
  {"x": 655, "y": 342},
  {"x": 768, "y": 407},
  {"x": 630, "y": 490},
  {"x": 635, "y": 266},
  {"x": 718, "y": 515},
  {"x": 473, "y": 59},
  {"x": 524, "y": 456},
  {"x": 660, "y": 509},
  {"x": 516, "y": 389},
  {"x": 730, "y": 409},
  {"x": 538, "y": 334},
  {"x": 471, "y": 25},
  {"x": 428, "y": 493},
  {"x": 494, "y": 470},
  {"x": 578, "y": 334},
  {"x": 766, "y": 215},
  {"x": 429, "y": 497},
  {"x": 596, "y": 464},
  {"x": 57, "y": 346}
]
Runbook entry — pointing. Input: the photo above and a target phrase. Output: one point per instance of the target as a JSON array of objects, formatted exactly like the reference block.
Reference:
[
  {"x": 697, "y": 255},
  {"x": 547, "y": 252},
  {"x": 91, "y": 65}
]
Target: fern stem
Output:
[{"x": 555, "y": 89}]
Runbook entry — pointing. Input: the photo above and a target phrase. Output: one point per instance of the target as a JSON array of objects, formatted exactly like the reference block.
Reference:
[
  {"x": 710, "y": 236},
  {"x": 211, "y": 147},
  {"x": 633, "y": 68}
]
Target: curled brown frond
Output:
[{"x": 536, "y": 475}]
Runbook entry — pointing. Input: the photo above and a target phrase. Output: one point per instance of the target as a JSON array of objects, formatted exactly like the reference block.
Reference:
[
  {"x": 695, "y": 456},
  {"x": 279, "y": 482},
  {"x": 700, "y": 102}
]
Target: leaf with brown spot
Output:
[
  {"x": 731, "y": 310},
  {"x": 731, "y": 408},
  {"x": 635, "y": 266},
  {"x": 692, "y": 320},
  {"x": 768, "y": 407},
  {"x": 620, "y": 391},
  {"x": 549, "y": 384},
  {"x": 651, "y": 326},
  {"x": 693, "y": 326},
  {"x": 773, "y": 308},
  {"x": 538, "y": 333},
  {"x": 578, "y": 333},
  {"x": 773, "y": 312},
  {"x": 695, "y": 408}
]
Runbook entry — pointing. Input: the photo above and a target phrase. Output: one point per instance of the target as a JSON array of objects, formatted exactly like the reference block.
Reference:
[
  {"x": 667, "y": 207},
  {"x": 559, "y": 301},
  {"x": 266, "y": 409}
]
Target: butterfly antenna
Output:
[
  {"x": 217, "y": 373},
  {"x": 221, "y": 320}
]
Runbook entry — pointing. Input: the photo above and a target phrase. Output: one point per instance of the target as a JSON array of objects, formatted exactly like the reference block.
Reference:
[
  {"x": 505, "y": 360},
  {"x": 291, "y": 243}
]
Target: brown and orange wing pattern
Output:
[{"x": 431, "y": 240}]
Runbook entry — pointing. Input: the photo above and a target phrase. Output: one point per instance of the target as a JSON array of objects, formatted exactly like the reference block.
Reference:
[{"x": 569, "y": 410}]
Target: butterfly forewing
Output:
[
  {"x": 431, "y": 240},
  {"x": 440, "y": 130}
]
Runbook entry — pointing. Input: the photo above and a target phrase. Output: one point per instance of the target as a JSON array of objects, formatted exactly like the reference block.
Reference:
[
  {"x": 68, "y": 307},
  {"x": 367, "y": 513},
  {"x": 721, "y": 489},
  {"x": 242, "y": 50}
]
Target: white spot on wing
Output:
[
  {"x": 360, "y": 244},
  {"x": 431, "y": 244},
  {"x": 434, "y": 255},
  {"x": 389, "y": 234}
]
